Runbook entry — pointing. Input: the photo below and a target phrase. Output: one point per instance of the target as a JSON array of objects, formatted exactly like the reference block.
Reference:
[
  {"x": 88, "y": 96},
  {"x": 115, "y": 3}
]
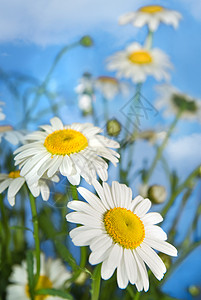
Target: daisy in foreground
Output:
[
  {"x": 137, "y": 62},
  {"x": 13, "y": 181},
  {"x": 53, "y": 274},
  {"x": 151, "y": 15},
  {"x": 75, "y": 150},
  {"x": 120, "y": 234}
]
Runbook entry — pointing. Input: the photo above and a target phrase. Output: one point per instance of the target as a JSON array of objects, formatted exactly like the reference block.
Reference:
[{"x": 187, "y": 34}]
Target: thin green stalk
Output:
[
  {"x": 36, "y": 236},
  {"x": 43, "y": 86},
  {"x": 5, "y": 228},
  {"x": 95, "y": 285},
  {"x": 74, "y": 192},
  {"x": 105, "y": 108},
  {"x": 161, "y": 148},
  {"x": 137, "y": 296},
  {"x": 149, "y": 40},
  {"x": 179, "y": 190}
]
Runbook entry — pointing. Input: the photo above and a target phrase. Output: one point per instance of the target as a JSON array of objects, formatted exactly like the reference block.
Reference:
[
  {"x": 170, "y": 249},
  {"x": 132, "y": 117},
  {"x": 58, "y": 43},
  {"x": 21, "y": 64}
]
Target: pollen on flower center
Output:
[
  {"x": 43, "y": 283},
  {"x": 14, "y": 174},
  {"x": 124, "y": 227},
  {"x": 151, "y": 9},
  {"x": 65, "y": 142},
  {"x": 140, "y": 57}
]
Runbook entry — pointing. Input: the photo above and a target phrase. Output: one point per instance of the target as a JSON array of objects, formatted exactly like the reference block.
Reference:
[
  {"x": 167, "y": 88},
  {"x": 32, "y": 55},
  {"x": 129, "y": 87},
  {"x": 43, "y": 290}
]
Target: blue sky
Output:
[{"x": 32, "y": 33}]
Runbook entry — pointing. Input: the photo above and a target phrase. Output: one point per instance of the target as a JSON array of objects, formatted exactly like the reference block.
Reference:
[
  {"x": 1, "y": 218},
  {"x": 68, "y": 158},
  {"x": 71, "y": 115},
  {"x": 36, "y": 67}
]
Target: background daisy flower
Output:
[
  {"x": 151, "y": 15},
  {"x": 53, "y": 274},
  {"x": 137, "y": 62},
  {"x": 110, "y": 87},
  {"x": 120, "y": 233},
  {"x": 2, "y": 115},
  {"x": 12, "y": 136},
  {"x": 13, "y": 181},
  {"x": 74, "y": 150},
  {"x": 173, "y": 101}
]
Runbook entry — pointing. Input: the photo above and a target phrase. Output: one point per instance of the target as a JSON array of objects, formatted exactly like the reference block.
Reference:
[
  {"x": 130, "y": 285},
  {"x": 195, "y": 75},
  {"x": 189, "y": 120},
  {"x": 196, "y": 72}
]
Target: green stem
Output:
[
  {"x": 74, "y": 192},
  {"x": 161, "y": 148},
  {"x": 137, "y": 296},
  {"x": 5, "y": 232},
  {"x": 42, "y": 88},
  {"x": 149, "y": 40},
  {"x": 36, "y": 236},
  {"x": 96, "y": 280},
  {"x": 179, "y": 190}
]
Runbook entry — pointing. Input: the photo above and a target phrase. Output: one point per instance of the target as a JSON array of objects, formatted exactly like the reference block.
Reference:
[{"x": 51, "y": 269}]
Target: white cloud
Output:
[
  {"x": 46, "y": 22},
  {"x": 194, "y": 7},
  {"x": 185, "y": 153}
]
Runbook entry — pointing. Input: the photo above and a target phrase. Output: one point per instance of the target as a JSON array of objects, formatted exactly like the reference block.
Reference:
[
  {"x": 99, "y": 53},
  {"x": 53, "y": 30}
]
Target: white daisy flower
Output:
[
  {"x": 12, "y": 136},
  {"x": 137, "y": 62},
  {"x": 13, "y": 181},
  {"x": 151, "y": 15},
  {"x": 75, "y": 150},
  {"x": 120, "y": 234},
  {"x": 85, "y": 103},
  {"x": 53, "y": 274},
  {"x": 110, "y": 87},
  {"x": 172, "y": 101},
  {"x": 2, "y": 115},
  {"x": 85, "y": 85}
]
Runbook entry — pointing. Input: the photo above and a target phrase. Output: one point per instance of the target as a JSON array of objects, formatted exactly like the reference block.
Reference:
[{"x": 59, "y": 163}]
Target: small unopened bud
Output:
[
  {"x": 166, "y": 259},
  {"x": 113, "y": 127},
  {"x": 86, "y": 41},
  {"x": 194, "y": 290},
  {"x": 81, "y": 278},
  {"x": 157, "y": 194}
]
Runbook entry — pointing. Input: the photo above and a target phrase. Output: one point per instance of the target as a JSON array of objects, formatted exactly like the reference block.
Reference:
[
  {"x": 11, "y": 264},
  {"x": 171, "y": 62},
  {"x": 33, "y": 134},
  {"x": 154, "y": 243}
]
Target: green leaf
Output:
[
  {"x": 30, "y": 262},
  {"x": 20, "y": 228},
  {"x": 54, "y": 292},
  {"x": 95, "y": 285}
]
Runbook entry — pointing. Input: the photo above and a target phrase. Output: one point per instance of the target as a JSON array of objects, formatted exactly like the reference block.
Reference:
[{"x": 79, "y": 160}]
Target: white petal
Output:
[
  {"x": 143, "y": 207},
  {"x": 122, "y": 277},
  {"x": 152, "y": 218},
  {"x": 82, "y": 236},
  {"x": 92, "y": 199},
  {"x": 161, "y": 246},
  {"x": 108, "y": 195},
  {"x": 56, "y": 123},
  {"x": 84, "y": 219},
  {"x": 15, "y": 186},
  {"x": 131, "y": 267},
  {"x": 54, "y": 168},
  {"x": 142, "y": 270},
  {"x": 74, "y": 179},
  {"x": 152, "y": 260},
  {"x": 5, "y": 184},
  {"x": 100, "y": 255},
  {"x": 155, "y": 232},
  {"x": 100, "y": 192},
  {"x": 81, "y": 206},
  {"x": 109, "y": 265}
]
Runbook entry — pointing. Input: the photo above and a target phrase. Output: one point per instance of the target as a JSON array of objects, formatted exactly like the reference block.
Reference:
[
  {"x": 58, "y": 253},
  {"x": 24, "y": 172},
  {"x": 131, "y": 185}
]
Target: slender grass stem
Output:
[{"x": 36, "y": 236}]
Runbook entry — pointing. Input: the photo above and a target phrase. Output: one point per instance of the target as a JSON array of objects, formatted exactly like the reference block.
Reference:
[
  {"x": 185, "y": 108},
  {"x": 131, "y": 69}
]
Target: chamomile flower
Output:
[
  {"x": 110, "y": 87},
  {"x": 85, "y": 104},
  {"x": 120, "y": 233},
  {"x": 151, "y": 15},
  {"x": 13, "y": 181},
  {"x": 173, "y": 101},
  {"x": 53, "y": 274},
  {"x": 12, "y": 136},
  {"x": 137, "y": 62},
  {"x": 74, "y": 150}
]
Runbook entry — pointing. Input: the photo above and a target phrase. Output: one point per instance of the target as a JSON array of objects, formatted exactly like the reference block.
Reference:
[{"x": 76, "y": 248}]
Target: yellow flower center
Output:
[
  {"x": 140, "y": 57},
  {"x": 65, "y": 142},
  {"x": 14, "y": 174},
  {"x": 43, "y": 283},
  {"x": 124, "y": 227},
  {"x": 108, "y": 79},
  {"x": 151, "y": 9}
]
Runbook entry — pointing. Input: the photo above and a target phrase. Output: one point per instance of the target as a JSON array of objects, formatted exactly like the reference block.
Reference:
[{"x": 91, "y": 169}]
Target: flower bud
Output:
[
  {"x": 157, "y": 194},
  {"x": 86, "y": 41},
  {"x": 113, "y": 127},
  {"x": 194, "y": 290}
]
